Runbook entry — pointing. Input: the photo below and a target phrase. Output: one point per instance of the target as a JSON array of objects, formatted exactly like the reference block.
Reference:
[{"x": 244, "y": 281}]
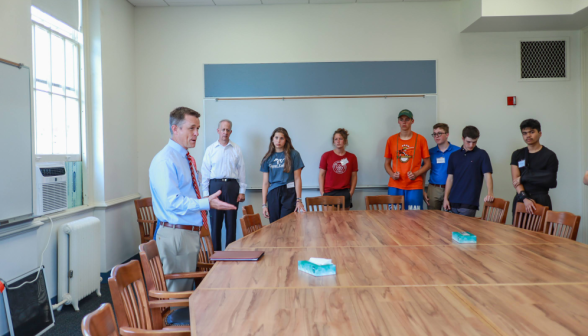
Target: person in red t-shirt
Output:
[{"x": 338, "y": 170}]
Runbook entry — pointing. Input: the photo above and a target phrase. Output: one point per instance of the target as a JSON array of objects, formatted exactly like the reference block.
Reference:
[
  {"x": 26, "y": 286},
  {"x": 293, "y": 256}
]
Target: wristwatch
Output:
[
  {"x": 523, "y": 195},
  {"x": 264, "y": 205},
  {"x": 299, "y": 200}
]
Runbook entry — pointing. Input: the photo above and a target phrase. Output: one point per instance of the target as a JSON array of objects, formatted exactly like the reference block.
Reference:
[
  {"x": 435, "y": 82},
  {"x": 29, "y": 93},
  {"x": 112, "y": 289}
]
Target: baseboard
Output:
[{"x": 106, "y": 275}]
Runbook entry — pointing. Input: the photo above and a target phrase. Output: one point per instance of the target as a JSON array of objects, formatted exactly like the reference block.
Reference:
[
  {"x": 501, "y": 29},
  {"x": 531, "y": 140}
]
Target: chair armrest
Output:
[
  {"x": 169, "y": 295},
  {"x": 168, "y": 303},
  {"x": 187, "y": 275},
  {"x": 124, "y": 331}
]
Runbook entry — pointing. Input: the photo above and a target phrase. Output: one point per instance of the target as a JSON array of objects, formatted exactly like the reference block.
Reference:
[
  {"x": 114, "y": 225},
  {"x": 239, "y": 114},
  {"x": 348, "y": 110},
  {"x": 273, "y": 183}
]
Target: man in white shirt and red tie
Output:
[
  {"x": 177, "y": 203},
  {"x": 223, "y": 169}
]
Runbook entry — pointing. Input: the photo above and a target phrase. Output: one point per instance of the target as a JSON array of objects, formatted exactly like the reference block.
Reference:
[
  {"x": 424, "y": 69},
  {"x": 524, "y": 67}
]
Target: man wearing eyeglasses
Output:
[{"x": 439, "y": 159}]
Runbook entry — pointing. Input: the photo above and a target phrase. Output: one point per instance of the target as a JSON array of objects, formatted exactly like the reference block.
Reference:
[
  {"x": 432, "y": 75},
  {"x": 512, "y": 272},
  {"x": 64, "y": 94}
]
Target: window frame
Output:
[{"x": 77, "y": 40}]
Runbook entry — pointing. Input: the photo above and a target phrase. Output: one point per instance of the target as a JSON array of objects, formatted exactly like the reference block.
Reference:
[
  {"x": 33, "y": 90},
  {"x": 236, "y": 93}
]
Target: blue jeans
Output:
[
  {"x": 412, "y": 198},
  {"x": 463, "y": 212}
]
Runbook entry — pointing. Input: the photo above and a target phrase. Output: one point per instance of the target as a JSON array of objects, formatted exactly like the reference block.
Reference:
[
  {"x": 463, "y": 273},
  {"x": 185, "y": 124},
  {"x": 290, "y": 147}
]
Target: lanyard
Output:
[{"x": 416, "y": 137}]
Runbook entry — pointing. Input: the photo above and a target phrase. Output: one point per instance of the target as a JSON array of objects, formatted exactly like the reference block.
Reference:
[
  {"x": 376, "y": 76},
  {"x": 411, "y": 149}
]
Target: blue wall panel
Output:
[{"x": 319, "y": 79}]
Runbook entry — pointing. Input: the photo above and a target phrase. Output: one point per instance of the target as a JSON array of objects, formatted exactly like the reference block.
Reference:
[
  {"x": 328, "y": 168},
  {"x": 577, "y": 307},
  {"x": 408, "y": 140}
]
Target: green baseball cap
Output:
[{"x": 405, "y": 112}]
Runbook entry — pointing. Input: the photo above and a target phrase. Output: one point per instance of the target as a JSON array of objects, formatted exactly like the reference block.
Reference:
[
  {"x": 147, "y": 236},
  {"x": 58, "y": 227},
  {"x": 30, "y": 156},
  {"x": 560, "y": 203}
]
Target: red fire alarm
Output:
[{"x": 511, "y": 100}]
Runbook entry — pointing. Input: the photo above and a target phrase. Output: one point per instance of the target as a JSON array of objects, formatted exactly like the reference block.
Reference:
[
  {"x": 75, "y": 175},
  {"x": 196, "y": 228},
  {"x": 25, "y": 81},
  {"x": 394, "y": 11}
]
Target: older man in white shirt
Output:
[{"x": 223, "y": 169}]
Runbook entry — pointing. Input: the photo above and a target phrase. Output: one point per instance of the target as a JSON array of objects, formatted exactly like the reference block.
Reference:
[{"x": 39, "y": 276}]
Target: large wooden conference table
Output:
[{"x": 398, "y": 273}]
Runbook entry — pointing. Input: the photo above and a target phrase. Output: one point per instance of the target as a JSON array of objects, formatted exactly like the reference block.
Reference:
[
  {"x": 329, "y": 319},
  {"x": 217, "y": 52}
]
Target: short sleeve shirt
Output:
[
  {"x": 468, "y": 169},
  {"x": 439, "y": 161},
  {"x": 274, "y": 165},
  {"x": 406, "y": 155},
  {"x": 338, "y": 170},
  {"x": 545, "y": 159}
]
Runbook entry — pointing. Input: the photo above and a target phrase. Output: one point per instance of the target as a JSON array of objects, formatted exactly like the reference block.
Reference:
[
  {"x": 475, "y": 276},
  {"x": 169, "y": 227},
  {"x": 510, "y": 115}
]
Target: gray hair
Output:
[
  {"x": 178, "y": 116},
  {"x": 222, "y": 121}
]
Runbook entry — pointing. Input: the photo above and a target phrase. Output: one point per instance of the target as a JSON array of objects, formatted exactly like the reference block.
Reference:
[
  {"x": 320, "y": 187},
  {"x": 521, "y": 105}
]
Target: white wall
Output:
[
  {"x": 476, "y": 72},
  {"x": 113, "y": 161},
  {"x": 528, "y": 7}
]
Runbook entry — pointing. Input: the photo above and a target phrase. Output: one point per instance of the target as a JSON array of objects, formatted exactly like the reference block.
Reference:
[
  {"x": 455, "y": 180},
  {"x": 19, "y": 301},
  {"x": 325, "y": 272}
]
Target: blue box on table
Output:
[{"x": 464, "y": 237}]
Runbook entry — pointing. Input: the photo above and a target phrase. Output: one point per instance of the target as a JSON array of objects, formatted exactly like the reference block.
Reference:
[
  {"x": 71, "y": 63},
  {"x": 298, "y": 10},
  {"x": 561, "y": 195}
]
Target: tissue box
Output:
[
  {"x": 464, "y": 237},
  {"x": 316, "y": 270}
]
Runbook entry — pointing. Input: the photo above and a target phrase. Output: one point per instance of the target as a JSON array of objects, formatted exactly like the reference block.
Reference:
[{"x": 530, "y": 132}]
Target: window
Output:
[{"x": 57, "y": 88}]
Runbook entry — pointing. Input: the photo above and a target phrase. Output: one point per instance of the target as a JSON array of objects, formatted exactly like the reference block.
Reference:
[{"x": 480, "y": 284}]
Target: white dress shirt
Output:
[
  {"x": 223, "y": 162},
  {"x": 173, "y": 195}
]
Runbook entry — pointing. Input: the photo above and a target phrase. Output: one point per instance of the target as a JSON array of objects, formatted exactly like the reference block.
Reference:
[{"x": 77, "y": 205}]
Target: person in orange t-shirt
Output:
[{"x": 404, "y": 154}]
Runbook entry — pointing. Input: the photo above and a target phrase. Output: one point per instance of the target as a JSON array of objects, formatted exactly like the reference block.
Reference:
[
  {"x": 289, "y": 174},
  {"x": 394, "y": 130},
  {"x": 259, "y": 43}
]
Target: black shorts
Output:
[{"x": 342, "y": 192}]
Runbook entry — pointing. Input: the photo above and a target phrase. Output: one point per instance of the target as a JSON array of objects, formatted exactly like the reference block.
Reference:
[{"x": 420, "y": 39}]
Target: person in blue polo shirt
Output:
[
  {"x": 466, "y": 171},
  {"x": 439, "y": 159}
]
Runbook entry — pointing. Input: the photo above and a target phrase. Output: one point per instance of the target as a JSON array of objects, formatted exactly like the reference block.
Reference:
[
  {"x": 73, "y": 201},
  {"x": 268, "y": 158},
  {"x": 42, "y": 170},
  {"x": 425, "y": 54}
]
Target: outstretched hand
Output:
[{"x": 217, "y": 204}]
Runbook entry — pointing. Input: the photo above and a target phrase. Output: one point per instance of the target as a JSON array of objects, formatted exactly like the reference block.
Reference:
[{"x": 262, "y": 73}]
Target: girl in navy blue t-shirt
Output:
[{"x": 282, "y": 184}]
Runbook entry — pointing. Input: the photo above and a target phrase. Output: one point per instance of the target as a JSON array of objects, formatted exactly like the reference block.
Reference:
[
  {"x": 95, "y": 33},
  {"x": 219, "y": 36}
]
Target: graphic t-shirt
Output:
[
  {"x": 339, "y": 169},
  {"x": 274, "y": 165},
  {"x": 406, "y": 156}
]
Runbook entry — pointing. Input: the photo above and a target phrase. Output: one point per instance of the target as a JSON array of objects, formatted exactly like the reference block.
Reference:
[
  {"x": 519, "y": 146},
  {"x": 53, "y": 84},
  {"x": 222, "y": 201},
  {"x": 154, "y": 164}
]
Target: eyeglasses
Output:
[{"x": 434, "y": 135}]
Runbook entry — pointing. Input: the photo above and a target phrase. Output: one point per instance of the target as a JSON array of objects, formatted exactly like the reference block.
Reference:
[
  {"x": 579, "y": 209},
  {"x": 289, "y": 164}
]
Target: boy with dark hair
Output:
[
  {"x": 466, "y": 172},
  {"x": 439, "y": 160},
  {"x": 533, "y": 168}
]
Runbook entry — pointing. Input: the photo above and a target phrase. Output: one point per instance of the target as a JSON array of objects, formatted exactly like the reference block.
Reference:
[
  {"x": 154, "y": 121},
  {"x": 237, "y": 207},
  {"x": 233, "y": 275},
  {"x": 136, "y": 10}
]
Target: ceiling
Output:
[{"x": 177, "y": 3}]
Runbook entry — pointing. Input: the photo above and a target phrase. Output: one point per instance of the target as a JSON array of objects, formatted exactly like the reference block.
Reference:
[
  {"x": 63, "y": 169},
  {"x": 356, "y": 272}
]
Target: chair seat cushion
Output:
[{"x": 178, "y": 317}]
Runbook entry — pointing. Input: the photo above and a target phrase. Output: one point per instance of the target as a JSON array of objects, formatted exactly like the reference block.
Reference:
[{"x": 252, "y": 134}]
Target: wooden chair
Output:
[
  {"x": 248, "y": 210},
  {"x": 496, "y": 211},
  {"x": 327, "y": 203},
  {"x": 250, "y": 224},
  {"x": 383, "y": 202},
  {"x": 155, "y": 278},
  {"x": 561, "y": 224},
  {"x": 146, "y": 218},
  {"x": 524, "y": 220},
  {"x": 132, "y": 306},
  {"x": 206, "y": 251},
  {"x": 101, "y": 322}
]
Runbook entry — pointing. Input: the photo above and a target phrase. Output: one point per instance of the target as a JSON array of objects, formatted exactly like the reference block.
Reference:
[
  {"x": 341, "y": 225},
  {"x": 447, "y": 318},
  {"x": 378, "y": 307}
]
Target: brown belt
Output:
[
  {"x": 180, "y": 226},
  {"x": 437, "y": 185}
]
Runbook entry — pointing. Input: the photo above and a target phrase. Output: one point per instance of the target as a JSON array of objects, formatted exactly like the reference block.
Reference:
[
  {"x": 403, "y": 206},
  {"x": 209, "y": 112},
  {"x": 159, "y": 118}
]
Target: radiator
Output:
[{"x": 78, "y": 260}]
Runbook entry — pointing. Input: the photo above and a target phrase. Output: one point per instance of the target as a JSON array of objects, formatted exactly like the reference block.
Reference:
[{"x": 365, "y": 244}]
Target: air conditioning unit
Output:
[{"x": 51, "y": 187}]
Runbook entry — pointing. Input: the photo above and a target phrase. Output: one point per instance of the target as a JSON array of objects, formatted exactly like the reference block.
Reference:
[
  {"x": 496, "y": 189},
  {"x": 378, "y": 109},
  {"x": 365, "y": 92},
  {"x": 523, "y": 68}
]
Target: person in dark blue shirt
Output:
[
  {"x": 282, "y": 183},
  {"x": 466, "y": 172},
  {"x": 439, "y": 159}
]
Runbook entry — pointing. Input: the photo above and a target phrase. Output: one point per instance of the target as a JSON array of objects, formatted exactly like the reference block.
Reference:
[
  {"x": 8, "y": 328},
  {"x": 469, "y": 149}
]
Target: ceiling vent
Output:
[{"x": 544, "y": 60}]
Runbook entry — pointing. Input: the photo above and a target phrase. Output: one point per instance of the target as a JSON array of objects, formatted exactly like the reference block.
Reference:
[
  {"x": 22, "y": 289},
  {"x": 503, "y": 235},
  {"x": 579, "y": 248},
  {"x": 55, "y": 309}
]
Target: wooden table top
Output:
[{"x": 398, "y": 273}]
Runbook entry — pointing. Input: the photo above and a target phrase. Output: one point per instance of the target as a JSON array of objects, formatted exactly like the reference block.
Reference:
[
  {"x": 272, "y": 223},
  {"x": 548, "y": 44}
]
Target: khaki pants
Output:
[
  {"x": 436, "y": 195},
  {"x": 178, "y": 250}
]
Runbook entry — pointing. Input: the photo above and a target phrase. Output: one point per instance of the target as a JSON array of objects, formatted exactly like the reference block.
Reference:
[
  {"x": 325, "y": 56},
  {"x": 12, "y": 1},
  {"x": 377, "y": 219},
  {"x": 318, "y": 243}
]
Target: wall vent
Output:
[{"x": 544, "y": 59}]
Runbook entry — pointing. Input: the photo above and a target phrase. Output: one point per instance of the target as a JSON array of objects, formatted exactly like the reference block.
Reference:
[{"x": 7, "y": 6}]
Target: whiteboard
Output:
[
  {"x": 311, "y": 123},
  {"x": 16, "y": 170}
]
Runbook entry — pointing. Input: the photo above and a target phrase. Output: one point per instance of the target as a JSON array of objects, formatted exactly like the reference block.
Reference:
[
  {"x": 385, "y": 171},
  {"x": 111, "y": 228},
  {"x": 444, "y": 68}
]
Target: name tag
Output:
[
  {"x": 290, "y": 185},
  {"x": 441, "y": 159},
  {"x": 521, "y": 163}
]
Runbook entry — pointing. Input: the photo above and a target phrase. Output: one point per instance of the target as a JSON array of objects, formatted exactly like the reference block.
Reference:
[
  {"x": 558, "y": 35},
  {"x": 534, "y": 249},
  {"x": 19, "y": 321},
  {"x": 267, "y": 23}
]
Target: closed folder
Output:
[{"x": 236, "y": 256}]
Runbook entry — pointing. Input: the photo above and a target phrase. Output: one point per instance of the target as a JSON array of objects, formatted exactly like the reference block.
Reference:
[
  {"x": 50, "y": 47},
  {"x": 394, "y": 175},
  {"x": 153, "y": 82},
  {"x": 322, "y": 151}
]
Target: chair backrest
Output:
[
  {"x": 325, "y": 203},
  {"x": 496, "y": 211},
  {"x": 100, "y": 322},
  {"x": 152, "y": 266},
  {"x": 146, "y": 218},
  {"x": 384, "y": 202},
  {"x": 250, "y": 224},
  {"x": 561, "y": 224},
  {"x": 529, "y": 221},
  {"x": 248, "y": 210},
  {"x": 206, "y": 248},
  {"x": 129, "y": 298}
]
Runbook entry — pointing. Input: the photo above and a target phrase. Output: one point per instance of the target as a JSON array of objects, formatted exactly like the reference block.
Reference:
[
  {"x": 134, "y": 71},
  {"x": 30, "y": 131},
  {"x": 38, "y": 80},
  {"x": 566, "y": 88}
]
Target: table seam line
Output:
[{"x": 469, "y": 305}]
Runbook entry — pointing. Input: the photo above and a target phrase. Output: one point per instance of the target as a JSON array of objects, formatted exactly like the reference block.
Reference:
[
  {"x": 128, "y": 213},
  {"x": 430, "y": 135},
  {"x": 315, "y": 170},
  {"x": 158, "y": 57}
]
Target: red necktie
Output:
[{"x": 193, "y": 168}]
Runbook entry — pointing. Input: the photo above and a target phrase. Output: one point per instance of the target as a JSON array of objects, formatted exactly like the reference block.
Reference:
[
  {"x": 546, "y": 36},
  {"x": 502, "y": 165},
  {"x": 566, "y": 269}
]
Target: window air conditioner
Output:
[{"x": 51, "y": 187}]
